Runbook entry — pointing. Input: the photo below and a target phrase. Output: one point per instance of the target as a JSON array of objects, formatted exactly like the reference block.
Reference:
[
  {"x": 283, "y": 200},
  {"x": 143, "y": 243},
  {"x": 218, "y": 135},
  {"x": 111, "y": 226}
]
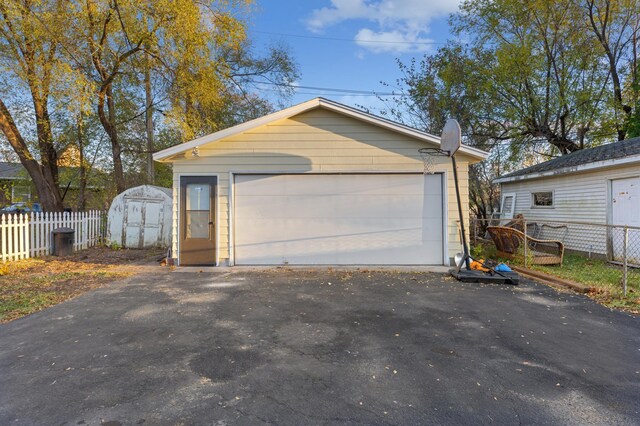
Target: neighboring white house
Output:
[
  {"x": 317, "y": 183},
  {"x": 140, "y": 217},
  {"x": 599, "y": 185}
]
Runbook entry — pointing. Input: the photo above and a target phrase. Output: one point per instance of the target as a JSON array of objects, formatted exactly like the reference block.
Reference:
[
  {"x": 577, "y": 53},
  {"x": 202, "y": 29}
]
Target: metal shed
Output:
[{"x": 141, "y": 217}]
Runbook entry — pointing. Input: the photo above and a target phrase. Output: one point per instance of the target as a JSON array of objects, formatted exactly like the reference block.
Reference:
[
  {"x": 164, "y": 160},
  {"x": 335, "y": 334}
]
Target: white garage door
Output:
[{"x": 338, "y": 219}]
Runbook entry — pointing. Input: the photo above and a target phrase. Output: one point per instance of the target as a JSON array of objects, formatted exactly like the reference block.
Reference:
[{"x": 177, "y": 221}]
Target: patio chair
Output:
[
  {"x": 510, "y": 243},
  {"x": 552, "y": 232}
]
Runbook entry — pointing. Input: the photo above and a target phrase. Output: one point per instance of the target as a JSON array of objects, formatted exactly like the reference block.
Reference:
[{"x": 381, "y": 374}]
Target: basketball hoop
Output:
[
  {"x": 429, "y": 158},
  {"x": 450, "y": 142}
]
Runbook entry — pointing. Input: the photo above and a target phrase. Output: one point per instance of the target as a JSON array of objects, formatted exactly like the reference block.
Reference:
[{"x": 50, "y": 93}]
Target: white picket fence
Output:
[{"x": 29, "y": 234}]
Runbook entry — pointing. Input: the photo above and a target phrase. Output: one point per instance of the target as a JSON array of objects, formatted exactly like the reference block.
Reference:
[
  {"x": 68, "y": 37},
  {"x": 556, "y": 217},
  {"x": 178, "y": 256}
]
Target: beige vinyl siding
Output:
[
  {"x": 313, "y": 142},
  {"x": 578, "y": 197}
]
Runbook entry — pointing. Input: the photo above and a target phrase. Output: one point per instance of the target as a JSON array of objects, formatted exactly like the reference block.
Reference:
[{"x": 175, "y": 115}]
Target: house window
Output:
[
  {"x": 542, "y": 199},
  {"x": 20, "y": 193}
]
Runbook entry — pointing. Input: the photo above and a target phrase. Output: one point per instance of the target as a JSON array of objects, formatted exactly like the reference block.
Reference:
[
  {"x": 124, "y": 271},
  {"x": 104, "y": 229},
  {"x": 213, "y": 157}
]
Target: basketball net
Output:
[{"x": 429, "y": 158}]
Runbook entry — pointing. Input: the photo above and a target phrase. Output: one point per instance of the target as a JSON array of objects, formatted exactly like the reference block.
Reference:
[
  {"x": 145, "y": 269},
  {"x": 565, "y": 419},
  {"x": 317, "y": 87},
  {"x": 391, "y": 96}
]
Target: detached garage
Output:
[{"x": 319, "y": 183}]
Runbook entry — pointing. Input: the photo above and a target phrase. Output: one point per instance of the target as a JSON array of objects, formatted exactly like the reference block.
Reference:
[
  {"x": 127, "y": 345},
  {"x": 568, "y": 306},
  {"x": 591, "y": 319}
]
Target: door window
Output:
[{"x": 198, "y": 198}]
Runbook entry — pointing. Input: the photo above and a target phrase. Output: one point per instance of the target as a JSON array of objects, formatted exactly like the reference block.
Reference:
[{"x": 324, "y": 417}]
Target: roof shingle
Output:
[
  {"x": 609, "y": 151},
  {"x": 12, "y": 170}
]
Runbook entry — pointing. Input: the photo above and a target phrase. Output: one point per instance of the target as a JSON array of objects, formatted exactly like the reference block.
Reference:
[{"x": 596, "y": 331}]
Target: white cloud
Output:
[
  {"x": 392, "y": 41},
  {"x": 403, "y": 22},
  {"x": 340, "y": 10}
]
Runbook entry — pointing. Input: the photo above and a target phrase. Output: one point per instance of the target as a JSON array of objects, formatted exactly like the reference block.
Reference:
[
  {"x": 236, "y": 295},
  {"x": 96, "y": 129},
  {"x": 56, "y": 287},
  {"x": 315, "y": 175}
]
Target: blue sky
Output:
[{"x": 372, "y": 33}]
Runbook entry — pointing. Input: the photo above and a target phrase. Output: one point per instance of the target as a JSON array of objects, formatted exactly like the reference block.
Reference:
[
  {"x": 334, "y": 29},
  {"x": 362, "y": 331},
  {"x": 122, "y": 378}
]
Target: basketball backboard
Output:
[{"x": 451, "y": 137}]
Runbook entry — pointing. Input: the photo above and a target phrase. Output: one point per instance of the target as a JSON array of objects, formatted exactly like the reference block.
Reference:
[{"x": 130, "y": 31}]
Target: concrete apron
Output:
[{"x": 340, "y": 268}]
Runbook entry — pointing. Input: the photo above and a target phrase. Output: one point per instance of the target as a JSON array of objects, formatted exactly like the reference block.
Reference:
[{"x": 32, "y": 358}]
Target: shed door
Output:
[
  {"x": 133, "y": 223},
  {"x": 143, "y": 223},
  {"x": 338, "y": 219},
  {"x": 625, "y": 209},
  {"x": 197, "y": 220},
  {"x": 153, "y": 221}
]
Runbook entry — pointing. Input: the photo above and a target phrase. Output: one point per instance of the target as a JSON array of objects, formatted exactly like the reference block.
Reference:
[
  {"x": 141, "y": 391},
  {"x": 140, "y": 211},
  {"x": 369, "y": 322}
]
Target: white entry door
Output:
[
  {"x": 508, "y": 205},
  {"x": 338, "y": 219},
  {"x": 625, "y": 210}
]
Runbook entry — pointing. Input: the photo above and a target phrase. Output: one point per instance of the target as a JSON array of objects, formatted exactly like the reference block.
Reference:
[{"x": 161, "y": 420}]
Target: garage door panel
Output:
[
  {"x": 268, "y": 230},
  {"x": 382, "y": 248},
  {"x": 295, "y": 219},
  {"x": 328, "y": 254},
  {"x": 326, "y": 206},
  {"x": 347, "y": 184}
]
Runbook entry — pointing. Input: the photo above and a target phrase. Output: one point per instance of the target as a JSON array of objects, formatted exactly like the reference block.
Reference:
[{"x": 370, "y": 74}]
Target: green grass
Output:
[
  {"x": 31, "y": 285},
  {"x": 25, "y": 303},
  {"x": 592, "y": 272},
  {"x": 604, "y": 276}
]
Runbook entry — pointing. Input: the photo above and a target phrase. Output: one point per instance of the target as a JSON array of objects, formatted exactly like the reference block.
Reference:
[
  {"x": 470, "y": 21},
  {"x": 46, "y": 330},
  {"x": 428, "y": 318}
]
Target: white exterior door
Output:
[
  {"x": 338, "y": 219},
  {"x": 508, "y": 205},
  {"x": 625, "y": 210}
]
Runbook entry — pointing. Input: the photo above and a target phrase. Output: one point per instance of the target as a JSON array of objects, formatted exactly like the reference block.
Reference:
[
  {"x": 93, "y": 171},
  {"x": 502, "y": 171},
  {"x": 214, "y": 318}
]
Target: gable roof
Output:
[
  {"x": 12, "y": 171},
  {"x": 16, "y": 171},
  {"x": 627, "y": 151},
  {"x": 166, "y": 154}
]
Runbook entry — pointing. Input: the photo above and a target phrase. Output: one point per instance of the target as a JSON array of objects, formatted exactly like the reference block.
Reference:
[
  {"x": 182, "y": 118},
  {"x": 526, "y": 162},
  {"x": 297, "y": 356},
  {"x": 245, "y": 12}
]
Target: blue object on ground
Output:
[{"x": 502, "y": 268}]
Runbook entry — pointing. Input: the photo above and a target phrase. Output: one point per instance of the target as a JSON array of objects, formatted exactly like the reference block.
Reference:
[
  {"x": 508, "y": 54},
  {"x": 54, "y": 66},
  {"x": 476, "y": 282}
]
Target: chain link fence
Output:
[{"x": 605, "y": 257}]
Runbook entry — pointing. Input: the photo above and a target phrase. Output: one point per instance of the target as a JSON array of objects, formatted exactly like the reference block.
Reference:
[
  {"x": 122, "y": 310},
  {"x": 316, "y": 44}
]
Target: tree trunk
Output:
[
  {"x": 617, "y": 90},
  {"x": 108, "y": 122},
  {"x": 82, "y": 200},
  {"x": 601, "y": 34},
  {"x": 48, "y": 154},
  {"x": 564, "y": 145},
  {"x": 149, "y": 124},
  {"x": 48, "y": 192}
]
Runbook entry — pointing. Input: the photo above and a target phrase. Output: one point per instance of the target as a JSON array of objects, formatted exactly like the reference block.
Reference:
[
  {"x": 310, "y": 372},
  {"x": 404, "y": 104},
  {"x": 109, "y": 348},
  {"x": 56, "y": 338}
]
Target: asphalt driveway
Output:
[{"x": 320, "y": 347}]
